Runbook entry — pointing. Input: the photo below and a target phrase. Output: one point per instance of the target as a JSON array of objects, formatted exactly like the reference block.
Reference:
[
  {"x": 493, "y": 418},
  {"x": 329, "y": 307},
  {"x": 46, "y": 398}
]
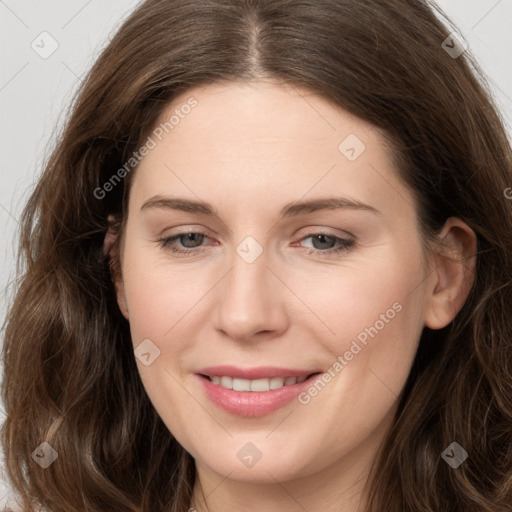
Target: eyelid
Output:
[
  {"x": 183, "y": 229},
  {"x": 328, "y": 231}
]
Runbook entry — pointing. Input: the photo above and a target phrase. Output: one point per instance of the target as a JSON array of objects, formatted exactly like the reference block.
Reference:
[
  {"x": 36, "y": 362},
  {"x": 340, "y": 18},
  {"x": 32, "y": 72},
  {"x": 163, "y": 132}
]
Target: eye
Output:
[
  {"x": 324, "y": 243},
  {"x": 189, "y": 243}
]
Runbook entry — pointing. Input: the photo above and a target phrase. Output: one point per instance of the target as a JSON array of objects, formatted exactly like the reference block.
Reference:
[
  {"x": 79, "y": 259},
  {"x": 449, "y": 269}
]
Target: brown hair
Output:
[{"x": 70, "y": 376}]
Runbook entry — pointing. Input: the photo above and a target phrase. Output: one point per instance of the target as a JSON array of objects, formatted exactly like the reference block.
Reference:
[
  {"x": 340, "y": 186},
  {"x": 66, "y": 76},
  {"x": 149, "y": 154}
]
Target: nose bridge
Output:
[{"x": 249, "y": 299}]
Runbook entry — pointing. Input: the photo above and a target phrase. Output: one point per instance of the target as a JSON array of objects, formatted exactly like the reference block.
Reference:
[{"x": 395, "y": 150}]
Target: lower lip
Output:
[{"x": 252, "y": 404}]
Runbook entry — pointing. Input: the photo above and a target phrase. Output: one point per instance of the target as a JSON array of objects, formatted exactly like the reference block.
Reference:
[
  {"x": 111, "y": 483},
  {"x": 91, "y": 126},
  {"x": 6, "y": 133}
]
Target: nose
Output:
[{"x": 250, "y": 300}]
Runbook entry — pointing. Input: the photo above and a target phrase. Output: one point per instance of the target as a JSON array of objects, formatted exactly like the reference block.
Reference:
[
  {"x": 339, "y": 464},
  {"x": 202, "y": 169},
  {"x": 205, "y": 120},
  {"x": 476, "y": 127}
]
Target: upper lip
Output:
[{"x": 260, "y": 372}]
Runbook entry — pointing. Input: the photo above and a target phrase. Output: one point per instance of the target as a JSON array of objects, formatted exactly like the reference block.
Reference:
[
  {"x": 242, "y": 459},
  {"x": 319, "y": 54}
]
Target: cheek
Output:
[
  {"x": 161, "y": 306},
  {"x": 378, "y": 327},
  {"x": 363, "y": 301},
  {"x": 160, "y": 298}
]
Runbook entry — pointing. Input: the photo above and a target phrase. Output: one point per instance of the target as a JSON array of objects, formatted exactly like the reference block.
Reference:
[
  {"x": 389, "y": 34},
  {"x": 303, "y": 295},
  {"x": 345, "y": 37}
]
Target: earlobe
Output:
[
  {"x": 110, "y": 249},
  {"x": 454, "y": 273},
  {"x": 121, "y": 299}
]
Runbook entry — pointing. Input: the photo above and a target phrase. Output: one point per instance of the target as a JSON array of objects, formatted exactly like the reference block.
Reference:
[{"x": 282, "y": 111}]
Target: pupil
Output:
[
  {"x": 322, "y": 238},
  {"x": 190, "y": 238}
]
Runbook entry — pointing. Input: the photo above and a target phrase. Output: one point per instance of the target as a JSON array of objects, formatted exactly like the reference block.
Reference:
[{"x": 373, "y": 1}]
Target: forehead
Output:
[
  {"x": 264, "y": 110},
  {"x": 246, "y": 139}
]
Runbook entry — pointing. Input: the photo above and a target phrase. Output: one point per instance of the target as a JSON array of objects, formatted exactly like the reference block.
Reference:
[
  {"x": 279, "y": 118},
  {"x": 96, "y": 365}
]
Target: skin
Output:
[{"x": 248, "y": 150}]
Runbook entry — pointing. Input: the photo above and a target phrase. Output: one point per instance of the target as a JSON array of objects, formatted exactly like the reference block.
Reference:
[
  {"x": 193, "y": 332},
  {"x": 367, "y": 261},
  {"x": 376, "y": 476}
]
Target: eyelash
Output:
[{"x": 167, "y": 243}]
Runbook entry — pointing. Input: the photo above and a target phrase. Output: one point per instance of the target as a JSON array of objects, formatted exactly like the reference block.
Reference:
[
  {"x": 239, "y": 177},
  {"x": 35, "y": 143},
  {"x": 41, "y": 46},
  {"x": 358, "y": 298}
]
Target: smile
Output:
[
  {"x": 256, "y": 392},
  {"x": 257, "y": 384}
]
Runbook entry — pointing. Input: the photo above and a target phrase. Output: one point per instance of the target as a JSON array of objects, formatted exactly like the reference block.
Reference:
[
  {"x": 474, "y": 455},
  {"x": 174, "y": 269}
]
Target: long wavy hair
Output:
[{"x": 70, "y": 377}]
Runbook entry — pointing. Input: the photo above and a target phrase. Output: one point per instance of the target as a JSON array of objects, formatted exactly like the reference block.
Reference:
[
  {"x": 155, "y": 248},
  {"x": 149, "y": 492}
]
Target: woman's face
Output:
[{"x": 307, "y": 260}]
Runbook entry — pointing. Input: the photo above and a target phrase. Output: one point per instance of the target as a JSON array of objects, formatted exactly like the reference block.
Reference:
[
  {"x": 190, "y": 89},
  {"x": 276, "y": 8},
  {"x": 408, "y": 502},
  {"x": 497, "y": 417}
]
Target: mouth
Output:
[
  {"x": 256, "y": 385},
  {"x": 251, "y": 398}
]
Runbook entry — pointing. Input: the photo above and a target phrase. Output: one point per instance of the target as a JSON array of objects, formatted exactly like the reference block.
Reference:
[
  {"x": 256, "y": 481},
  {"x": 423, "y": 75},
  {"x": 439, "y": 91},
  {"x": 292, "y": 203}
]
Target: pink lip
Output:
[
  {"x": 252, "y": 404},
  {"x": 261, "y": 372}
]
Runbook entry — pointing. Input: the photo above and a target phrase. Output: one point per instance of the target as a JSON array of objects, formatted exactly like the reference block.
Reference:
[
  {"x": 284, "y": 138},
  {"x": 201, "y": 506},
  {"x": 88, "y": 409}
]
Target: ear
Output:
[
  {"x": 454, "y": 273},
  {"x": 111, "y": 250}
]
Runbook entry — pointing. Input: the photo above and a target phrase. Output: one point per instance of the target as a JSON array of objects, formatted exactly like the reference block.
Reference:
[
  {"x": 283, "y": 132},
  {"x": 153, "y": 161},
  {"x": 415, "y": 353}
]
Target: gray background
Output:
[{"x": 34, "y": 91}]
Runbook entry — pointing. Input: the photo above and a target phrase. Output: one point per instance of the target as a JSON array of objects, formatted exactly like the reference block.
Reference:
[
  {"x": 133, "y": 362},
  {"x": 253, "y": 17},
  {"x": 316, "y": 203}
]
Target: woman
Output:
[{"x": 259, "y": 369}]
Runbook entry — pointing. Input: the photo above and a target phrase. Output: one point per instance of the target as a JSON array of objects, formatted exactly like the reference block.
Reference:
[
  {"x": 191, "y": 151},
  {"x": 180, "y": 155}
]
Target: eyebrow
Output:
[{"x": 292, "y": 209}]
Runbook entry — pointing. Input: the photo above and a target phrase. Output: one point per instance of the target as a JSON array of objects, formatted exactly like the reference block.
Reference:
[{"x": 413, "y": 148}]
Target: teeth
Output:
[
  {"x": 241, "y": 385},
  {"x": 226, "y": 382},
  {"x": 258, "y": 384},
  {"x": 276, "y": 382}
]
